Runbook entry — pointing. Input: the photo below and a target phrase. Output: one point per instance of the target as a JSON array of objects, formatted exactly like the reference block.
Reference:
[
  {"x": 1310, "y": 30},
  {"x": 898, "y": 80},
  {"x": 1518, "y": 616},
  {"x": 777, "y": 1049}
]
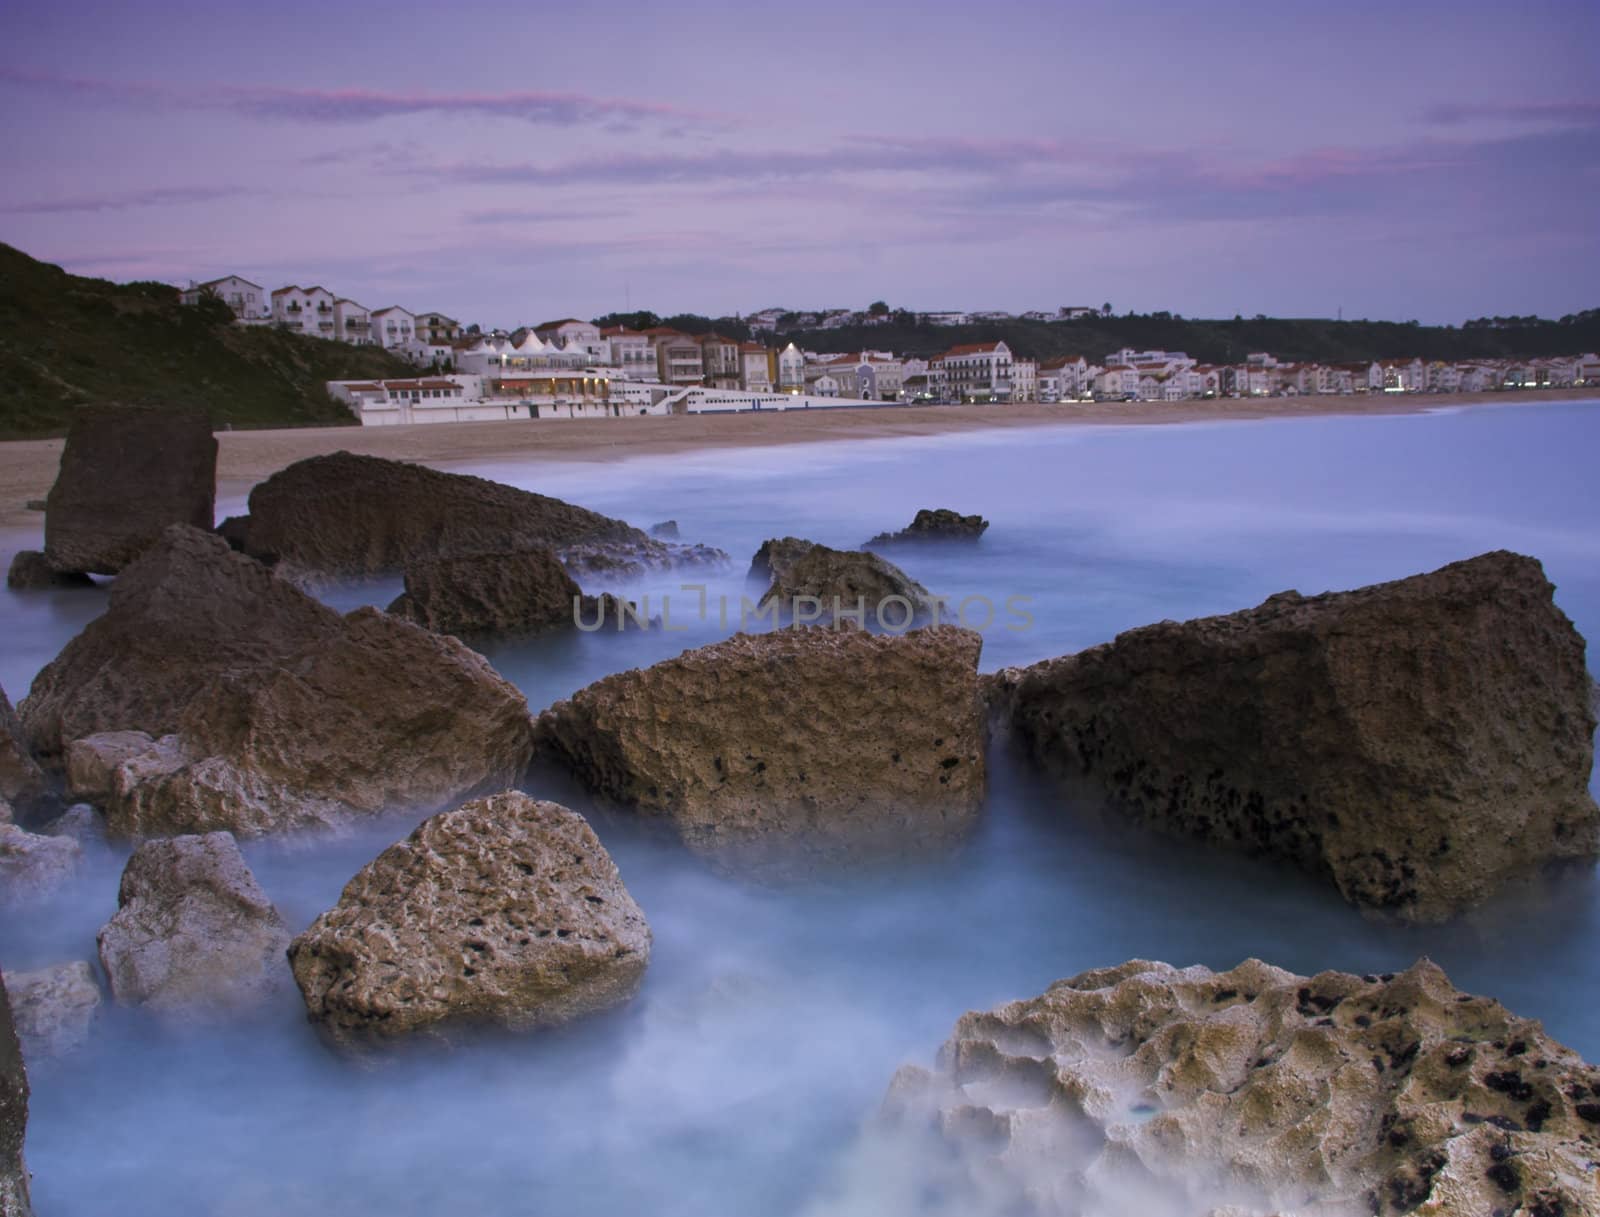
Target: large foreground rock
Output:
[
  {"x": 776, "y": 556},
  {"x": 509, "y": 592},
  {"x": 782, "y": 749},
  {"x": 22, "y": 782},
  {"x": 53, "y": 1008},
  {"x": 362, "y": 515},
  {"x": 186, "y": 612},
  {"x": 1146, "y": 1089},
  {"x": 193, "y": 932},
  {"x": 847, "y": 585},
  {"x": 378, "y": 714},
  {"x": 936, "y": 524},
  {"x": 127, "y": 472},
  {"x": 13, "y": 1117},
  {"x": 505, "y": 911},
  {"x": 1418, "y": 742}
]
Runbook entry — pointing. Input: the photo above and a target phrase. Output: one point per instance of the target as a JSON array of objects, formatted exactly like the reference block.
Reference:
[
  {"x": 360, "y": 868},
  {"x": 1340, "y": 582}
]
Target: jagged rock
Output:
[
  {"x": 33, "y": 865},
  {"x": 13, "y": 1118},
  {"x": 379, "y": 714},
  {"x": 93, "y": 760},
  {"x": 939, "y": 524},
  {"x": 667, "y": 530},
  {"x": 362, "y": 515},
  {"x": 824, "y": 584},
  {"x": 7, "y": 816},
  {"x": 30, "y": 571},
  {"x": 508, "y": 592},
  {"x": 505, "y": 911},
  {"x": 778, "y": 751},
  {"x": 1418, "y": 742},
  {"x": 22, "y": 782},
  {"x": 53, "y": 1007},
  {"x": 193, "y": 932},
  {"x": 1146, "y": 1089},
  {"x": 630, "y": 558},
  {"x": 126, "y": 474},
  {"x": 776, "y": 556},
  {"x": 187, "y": 611}
]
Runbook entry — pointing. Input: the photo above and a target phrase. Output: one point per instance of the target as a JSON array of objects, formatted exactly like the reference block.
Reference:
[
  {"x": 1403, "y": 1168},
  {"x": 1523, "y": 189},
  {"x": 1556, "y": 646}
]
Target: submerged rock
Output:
[
  {"x": 824, "y": 584},
  {"x": 189, "y": 610},
  {"x": 193, "y": 934},
  {"x": 375, "y": 715},
  {"x": 938, "y": 524},
  {"x": 30, "y": 571},
  {"x": 33, "y": 865},
  {"x": 362, "y": 515},
  {"x": 629, "y": 559},
  {"x": 1148, "y": 1089},
  {"x": 1419, "y": 742},
  {"x": 53, "y": 1008},
  {"x": 505, "y": 911},
  {"x": 127, "y": 472},
  {"x": 22, "y": 782},
  {"x": 510, "y": 592},
  {"x": 779, "y": 751},
  {"x": 13, "y": 1117}
]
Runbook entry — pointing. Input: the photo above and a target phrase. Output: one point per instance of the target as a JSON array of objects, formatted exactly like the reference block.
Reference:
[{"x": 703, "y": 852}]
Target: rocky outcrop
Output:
[
  {"x": 53, "y": 1008},
  {"x": 937, "y": 524},
  {"x": 505, "y": 911},
  {"x": 22, "y": 782},
  {"x": 126, "y": 474},
  {"x": 13, "y": 1118},
  {"x": 376, "y": 715},
  {"x": 776, "y": 556},
  {"x": 1419, "y": 742},
  {"x": 776, "y": 752},
  {"x": 667, "y": 530},
  {"x": 511, "y": 592},
  {"x": 193, "y": 934},
  {"x": 362, "y": 515},
  {"x": 824, "y": 584},
  {"x": 188, "y": 611},
  {"x": 1148, "y": 1089},
  {"x": 33, "y": 865},
  {"x": 30, "y": 571}
]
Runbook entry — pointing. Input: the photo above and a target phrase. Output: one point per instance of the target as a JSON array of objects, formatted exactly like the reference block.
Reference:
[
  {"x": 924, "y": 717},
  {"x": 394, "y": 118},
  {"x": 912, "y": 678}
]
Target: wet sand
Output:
[{"x": 28, "y": 467}]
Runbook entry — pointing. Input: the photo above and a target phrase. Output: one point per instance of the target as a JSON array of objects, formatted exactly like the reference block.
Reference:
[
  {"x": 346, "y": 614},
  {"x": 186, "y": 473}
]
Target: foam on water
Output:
[{"x": 771, "y": 1021}]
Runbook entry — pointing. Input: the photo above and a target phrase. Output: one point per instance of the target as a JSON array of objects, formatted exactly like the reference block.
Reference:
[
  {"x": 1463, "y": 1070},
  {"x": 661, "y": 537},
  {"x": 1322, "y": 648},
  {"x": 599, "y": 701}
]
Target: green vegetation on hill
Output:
[
  {"x": 1288, "y": 339},
  {"x": 66, "y": 341}
]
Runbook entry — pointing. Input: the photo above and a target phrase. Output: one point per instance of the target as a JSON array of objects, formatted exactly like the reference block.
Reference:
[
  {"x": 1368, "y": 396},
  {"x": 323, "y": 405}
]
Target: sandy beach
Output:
[{"x": 28, "y": 467}]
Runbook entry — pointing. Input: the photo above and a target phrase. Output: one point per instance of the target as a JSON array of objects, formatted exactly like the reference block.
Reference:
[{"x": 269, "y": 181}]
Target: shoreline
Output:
[{"x": 28, "y": 467}]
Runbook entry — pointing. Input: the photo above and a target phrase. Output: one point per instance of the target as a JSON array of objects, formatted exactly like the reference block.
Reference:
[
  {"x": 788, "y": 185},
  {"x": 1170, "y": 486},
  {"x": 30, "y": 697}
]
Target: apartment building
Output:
[
  {"x": 304, "y": 310},
  {"x": 249, "y": 301}
]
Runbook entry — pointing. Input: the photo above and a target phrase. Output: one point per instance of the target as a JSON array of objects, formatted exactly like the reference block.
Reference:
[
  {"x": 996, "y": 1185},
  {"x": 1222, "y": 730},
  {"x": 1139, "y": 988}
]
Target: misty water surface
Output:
[{"x": 771, "y": 1021}]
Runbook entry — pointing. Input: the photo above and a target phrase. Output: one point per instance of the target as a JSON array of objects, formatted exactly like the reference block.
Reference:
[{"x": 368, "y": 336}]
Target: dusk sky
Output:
[{"x": 507, "y": 163}]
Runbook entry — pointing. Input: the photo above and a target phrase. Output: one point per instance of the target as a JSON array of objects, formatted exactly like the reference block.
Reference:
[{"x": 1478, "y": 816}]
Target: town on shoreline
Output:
[{"x": 569, "y": 368}]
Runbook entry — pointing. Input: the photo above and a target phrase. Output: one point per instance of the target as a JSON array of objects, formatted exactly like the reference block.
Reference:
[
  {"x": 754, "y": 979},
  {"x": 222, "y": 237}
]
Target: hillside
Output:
[
  {"x": 1289, "y": 339},
  {"x": 66, "y": 340}
]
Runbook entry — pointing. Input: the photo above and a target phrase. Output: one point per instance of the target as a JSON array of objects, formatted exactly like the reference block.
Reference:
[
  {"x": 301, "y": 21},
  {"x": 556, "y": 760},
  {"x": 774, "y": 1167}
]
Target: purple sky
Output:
[{"x": 507, "y": 163}]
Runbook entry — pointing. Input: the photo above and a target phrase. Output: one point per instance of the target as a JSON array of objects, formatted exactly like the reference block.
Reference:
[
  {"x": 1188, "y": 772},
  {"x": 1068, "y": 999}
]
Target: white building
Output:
[
  {"x": 393, "y": 327},
  {"x": 436, "y": 329},
  {"x": 755, "y": 367},
  {"x": 1118, "y": 382},
  {"x": 1024, "y": 380},
  {"x": 352, "y": 322},
  {"x": 249, "y": 301},
  {"x": 978, "y": 372},
  {"x": 791, "y": 369},
  {"x": 304, "y": 310},
  {"x": 630, "y": 352}
]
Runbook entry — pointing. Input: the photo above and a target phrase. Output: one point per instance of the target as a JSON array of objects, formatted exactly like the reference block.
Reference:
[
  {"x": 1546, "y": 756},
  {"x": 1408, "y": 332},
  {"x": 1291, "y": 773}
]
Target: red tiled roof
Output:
[{"x": 972, "y": 348}]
